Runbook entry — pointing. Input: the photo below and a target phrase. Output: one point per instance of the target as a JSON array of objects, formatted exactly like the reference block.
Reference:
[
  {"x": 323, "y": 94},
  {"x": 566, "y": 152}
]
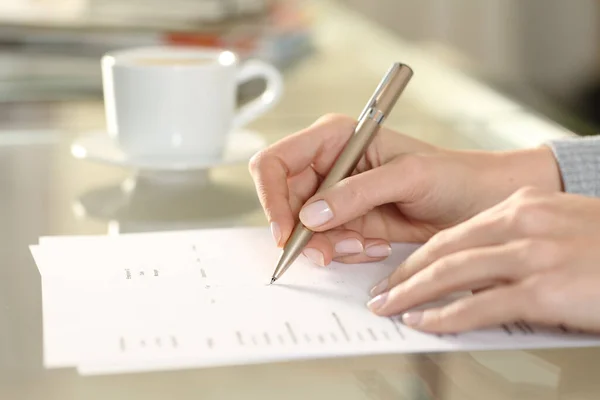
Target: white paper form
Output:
[
  {"x": 218, "y": 308},
  {"x": 74, "y": 268},
  {"x": 75, "y": 273}
]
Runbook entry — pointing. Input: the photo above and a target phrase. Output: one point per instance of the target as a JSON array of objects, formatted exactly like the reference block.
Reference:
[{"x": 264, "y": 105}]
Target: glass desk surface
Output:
[{"x": 46, "y": 191}]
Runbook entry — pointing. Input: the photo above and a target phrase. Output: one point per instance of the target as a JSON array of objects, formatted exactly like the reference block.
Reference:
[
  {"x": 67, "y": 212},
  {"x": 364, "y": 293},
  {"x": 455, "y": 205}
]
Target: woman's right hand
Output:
[{"x": 403, "y": 190}]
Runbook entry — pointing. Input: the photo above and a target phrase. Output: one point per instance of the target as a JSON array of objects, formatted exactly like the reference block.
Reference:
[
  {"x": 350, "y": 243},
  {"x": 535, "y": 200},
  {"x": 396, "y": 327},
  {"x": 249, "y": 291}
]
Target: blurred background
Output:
[{"x": 544, "y": 53}]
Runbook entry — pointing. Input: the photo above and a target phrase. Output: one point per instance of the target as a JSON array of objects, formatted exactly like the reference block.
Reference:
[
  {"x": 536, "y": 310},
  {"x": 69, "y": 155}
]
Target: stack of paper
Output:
[{"x": 155, "y": 301}]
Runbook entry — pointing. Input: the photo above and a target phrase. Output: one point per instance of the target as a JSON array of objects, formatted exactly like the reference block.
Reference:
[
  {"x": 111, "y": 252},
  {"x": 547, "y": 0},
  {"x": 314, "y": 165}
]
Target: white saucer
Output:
[{"x": 99, "y": 147}]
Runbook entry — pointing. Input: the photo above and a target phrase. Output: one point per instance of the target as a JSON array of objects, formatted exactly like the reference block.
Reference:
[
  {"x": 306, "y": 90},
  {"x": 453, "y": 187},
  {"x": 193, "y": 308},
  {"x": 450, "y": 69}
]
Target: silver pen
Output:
[{"x": 370, "y": 120}]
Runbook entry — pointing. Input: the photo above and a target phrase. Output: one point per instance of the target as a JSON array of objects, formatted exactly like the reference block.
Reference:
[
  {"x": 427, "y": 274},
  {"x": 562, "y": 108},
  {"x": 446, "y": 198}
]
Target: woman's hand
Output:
[
  {"x": 403, "y": 190},
  {"x": 533, "y": 257}
]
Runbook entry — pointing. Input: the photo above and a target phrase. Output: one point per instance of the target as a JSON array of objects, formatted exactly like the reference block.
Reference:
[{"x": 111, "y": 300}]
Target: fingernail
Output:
[
  {"x": 349, "y": 246},
  {"x": 412, "y": 318},
  {"x": 316, "y": 214},
  {"x": 276, "y": 232},
  {"x": 379, "y": 250},
  {"x": 379, "y": 288},
  {"x": 377, "y": 302},
  {"x": 315, "y": 256}
]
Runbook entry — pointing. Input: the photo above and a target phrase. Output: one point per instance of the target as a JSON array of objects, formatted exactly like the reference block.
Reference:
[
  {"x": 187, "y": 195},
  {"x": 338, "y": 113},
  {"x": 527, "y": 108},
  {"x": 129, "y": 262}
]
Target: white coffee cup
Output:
[{"x": 180, "y": 102}]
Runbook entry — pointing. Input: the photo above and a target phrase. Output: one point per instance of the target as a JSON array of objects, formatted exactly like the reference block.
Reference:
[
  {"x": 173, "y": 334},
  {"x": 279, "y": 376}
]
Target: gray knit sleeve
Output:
[{"x": 579, "y": 164}]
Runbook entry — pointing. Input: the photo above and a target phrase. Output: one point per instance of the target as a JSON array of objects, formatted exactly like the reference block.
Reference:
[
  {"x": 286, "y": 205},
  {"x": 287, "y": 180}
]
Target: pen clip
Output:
[{"x": 373, "y": 100}]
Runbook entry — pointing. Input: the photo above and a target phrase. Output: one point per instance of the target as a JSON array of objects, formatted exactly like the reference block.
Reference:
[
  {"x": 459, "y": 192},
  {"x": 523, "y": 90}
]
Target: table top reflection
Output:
[{"x": 47, "y": 191}]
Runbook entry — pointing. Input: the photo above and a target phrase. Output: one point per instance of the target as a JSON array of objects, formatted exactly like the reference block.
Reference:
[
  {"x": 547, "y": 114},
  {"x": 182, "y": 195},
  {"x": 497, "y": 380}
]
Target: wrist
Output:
[
  {"x": 494, "y": 176},
  {"x": 536, "y": 167}
]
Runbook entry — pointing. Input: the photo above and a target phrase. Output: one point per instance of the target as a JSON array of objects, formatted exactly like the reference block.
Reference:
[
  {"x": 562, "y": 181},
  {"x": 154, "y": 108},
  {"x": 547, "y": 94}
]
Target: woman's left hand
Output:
[{"x": 534, "y": 257}]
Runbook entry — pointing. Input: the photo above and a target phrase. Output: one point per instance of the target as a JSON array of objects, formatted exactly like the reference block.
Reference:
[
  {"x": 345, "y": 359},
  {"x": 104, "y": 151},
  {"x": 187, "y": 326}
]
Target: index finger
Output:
[
  {"x": 483, "y": 230},
  {"x": 317, "y": 147}
]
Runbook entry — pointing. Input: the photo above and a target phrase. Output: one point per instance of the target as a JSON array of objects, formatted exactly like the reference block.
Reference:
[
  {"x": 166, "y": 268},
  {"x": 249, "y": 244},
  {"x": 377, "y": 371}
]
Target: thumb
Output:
[{"x": 355, "y": 196}]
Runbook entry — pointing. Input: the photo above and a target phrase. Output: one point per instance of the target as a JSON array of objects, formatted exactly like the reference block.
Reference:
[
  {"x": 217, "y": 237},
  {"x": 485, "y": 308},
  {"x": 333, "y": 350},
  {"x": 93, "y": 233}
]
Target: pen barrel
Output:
[
  {"x": 346, "y": 163},
  {"x": 369, "y": 122}
]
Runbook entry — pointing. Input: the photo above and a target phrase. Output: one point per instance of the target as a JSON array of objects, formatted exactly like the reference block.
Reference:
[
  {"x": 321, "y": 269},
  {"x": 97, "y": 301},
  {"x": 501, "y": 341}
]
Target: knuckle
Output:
[
  {"x": 434, "y": 250},
  {"x": 438, "y": 241},
  {"x": 540, "y": 254},
  {"x": 490, "y": 221},
  {"x": 529, "y": 216},
  {"x": 256, "y": 161},
  {"x": 526, "y": 192},
  {"x": 529, "y": 252},
  {"x": 439, "y": 270},
  {"x": 544, "y": 292}
]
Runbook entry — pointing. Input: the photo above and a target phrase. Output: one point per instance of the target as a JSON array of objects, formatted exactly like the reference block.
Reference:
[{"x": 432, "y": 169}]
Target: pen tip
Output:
[{"x": 273, "y": 280}]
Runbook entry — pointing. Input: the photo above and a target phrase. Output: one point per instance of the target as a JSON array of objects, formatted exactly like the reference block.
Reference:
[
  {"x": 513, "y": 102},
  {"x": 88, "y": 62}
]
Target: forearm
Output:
[{"x": 579, "y": 163}]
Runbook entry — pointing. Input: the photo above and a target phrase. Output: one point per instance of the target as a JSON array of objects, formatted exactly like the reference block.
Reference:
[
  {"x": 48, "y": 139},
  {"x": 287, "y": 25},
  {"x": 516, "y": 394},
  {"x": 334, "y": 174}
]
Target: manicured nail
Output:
[
  {"x": 276, "y": 232},
  {"x": 377, "y": 302},
  {"x": 315, "y": 256},
  {"x": 316, "y": 214},
  {"x": 412, "y": 318},
  {"x": 379, "y": 251},
  {"x": 349, "y": 246},
  {"x": 380, "y": 287}
]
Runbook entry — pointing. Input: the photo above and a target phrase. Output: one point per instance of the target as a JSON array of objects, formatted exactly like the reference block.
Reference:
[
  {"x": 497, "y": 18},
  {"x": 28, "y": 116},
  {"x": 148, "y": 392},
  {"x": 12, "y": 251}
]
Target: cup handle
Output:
[{"x": 253, "y": 69}]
